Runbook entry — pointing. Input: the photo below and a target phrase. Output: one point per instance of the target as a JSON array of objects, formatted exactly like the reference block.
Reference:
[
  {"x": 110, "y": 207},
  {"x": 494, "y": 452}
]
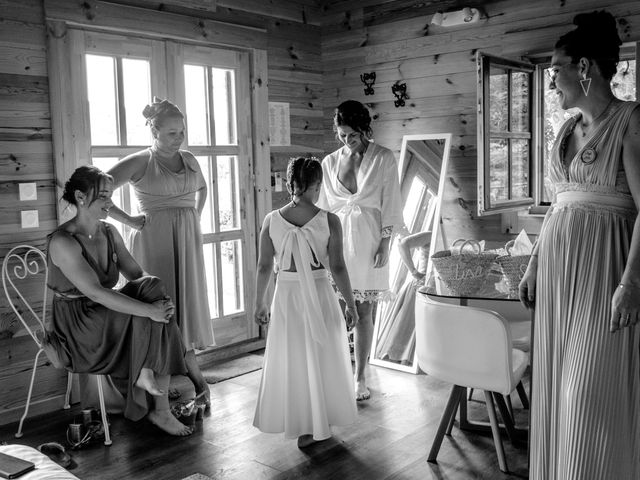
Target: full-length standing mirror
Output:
[{"x": 422, "y": 168}]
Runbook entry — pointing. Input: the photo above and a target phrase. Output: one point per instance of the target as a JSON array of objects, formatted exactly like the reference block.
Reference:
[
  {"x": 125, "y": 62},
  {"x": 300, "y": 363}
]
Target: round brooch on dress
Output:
[{"x": 588, "y": 156}]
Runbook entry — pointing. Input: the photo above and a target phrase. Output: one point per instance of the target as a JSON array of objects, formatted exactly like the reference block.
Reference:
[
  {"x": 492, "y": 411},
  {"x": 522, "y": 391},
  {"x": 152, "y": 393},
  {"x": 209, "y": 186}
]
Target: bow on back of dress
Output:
[{"x": 296, "y": 245}]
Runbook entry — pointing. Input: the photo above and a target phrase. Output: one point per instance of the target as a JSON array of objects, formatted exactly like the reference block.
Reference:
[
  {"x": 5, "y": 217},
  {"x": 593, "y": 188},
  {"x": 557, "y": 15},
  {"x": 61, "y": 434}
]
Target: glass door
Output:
[{"x": 212, "y": 86}]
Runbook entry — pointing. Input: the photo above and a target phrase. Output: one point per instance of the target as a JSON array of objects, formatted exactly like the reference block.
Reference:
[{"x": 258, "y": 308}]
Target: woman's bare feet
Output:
[
  {"x": 147, "y": 381},
  {"x": 305, "y": 441},
  {"x": 362, "y": 392},
  {"x": 165, "y": 420}
]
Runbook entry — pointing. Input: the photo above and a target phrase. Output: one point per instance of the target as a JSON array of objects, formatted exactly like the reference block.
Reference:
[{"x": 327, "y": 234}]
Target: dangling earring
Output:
[{"x": 585, "y": 83}]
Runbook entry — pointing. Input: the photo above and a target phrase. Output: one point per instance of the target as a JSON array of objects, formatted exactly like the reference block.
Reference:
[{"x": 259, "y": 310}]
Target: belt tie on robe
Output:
[{"x": 352, "y": 213}]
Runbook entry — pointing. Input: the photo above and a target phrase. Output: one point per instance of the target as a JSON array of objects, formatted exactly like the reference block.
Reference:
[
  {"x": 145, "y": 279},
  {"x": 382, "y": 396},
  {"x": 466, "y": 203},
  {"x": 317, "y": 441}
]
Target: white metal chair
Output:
[
  {"x": 22, "y": 270},
  {"x": 469, "y": 347}
]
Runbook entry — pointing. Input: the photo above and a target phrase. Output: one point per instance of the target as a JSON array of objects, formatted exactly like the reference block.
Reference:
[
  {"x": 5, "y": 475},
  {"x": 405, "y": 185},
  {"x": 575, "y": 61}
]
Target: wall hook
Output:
[
  {"x": 400, "y": 92},
  {"x": 368, "y": 79}
]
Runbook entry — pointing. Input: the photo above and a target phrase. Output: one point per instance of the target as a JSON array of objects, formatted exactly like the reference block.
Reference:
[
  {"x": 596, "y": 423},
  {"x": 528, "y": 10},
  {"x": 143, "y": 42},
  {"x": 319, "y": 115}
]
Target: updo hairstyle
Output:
[
  {"x": 302, "y": 172},
  {"x": 596, "y": 38},
  {"x": 159, "y": 111},
  {"x": 88, "y": 179},
  {"x": 355, "y": 115}
]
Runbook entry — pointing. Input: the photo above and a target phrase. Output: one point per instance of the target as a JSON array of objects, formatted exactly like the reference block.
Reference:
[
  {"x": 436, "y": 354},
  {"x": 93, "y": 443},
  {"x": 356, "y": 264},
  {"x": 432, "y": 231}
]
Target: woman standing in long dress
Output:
[
  {"x": 167, "y": 240},
  {"x": 307, "y": 383},
  {"x": 361, "y": 187},
  {"x": 584, "y": 275}
]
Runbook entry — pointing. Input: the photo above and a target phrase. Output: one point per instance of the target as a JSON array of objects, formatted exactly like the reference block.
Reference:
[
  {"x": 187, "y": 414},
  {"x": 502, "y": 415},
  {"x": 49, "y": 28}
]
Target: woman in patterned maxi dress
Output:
[{"x": 584, "y": 276}]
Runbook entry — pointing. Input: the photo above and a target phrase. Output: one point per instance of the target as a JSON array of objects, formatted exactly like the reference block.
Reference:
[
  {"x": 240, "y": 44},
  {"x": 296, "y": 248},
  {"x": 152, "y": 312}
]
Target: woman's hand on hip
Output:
[
  {"x": 625, "y": 307},
  {"x": 527, "y": 286}
]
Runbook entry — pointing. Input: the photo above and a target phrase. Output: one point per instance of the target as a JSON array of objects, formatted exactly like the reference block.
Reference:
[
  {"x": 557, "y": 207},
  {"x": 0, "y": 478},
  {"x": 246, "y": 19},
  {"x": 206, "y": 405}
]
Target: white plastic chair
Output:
[
  {"x": 521, "y": 340},
  {"x": 23, "y": 267},
  {"x": 469, "y": 347}
]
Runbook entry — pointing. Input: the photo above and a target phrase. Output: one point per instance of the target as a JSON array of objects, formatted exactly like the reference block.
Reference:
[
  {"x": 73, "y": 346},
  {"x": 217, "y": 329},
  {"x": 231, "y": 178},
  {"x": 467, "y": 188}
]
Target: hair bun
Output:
[
  {"x": 159, "y": 108},
  {"x": 600, "y": 21},
  {"x": 147, "y": 112}
]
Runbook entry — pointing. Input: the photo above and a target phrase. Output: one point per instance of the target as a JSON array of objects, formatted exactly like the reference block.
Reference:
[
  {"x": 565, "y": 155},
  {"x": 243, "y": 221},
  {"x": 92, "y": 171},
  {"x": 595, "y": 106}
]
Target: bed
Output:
[{"x": 46, "y": 469}]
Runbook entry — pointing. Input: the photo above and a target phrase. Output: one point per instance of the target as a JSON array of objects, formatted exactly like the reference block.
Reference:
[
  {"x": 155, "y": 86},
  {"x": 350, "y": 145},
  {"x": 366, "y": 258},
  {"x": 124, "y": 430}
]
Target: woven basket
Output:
[
  {"x": 513, "y": 268},
  {"x": 466, "y": 273}
]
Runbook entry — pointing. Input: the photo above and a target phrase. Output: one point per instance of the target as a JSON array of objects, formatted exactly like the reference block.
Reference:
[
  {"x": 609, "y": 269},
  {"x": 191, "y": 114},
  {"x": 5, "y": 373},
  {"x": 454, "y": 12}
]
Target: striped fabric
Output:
[{"x": 586, "y": 380}]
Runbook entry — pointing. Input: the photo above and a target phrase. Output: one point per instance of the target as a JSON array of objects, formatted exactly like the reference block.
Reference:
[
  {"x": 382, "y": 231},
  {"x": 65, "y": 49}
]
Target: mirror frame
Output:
[{"x": 435, "y": 227}]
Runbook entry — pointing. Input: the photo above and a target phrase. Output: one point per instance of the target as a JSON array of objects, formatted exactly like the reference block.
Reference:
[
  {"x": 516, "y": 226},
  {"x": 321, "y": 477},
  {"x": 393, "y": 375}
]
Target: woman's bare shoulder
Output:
[
  {"x": 131, "y": 167},
  {"x": 61, "y": 241}
]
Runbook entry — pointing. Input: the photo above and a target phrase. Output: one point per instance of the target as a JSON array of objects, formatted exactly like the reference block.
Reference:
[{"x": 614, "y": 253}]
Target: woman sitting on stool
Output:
[{"x": 128, "y": 333}]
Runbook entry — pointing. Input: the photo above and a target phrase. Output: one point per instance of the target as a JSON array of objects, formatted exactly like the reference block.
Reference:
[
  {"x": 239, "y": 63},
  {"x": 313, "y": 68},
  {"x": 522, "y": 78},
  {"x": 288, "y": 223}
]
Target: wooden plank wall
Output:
[
  {"x": 25, "y": 156},
  {"x": 295, "y": 76},
  {"x": 394, "y": 38}
]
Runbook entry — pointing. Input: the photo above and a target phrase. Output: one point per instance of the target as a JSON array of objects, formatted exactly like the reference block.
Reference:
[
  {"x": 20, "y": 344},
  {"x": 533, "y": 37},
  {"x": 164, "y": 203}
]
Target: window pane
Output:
[
  {"x": 232, "y": 288},
  {"x": 498, "y": 107},
  {"x": 101, "y": 88},
  {"x": 228, "y": 192},
  {"x": 498, "y": 170},
  {"x": 224, "y": 106},
  {"x": 137, "y": 93},
  {"x": 520, "y": 158},
  {"x": 624, "y": 82},
  {"x": 206, "y": 218},
  {"x": 195, "y": 80},
  {"x": 210, "y": 269},
  {"x": 520, "y": 92}
]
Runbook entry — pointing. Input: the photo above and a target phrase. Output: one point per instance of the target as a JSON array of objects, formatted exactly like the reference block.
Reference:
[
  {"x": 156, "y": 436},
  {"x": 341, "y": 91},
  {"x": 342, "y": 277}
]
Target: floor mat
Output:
[{"x": 233, "y": 368}]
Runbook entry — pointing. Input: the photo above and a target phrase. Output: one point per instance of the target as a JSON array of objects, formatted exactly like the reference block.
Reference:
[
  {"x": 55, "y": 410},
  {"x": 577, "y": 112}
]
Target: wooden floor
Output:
[{"x": 389, "y": 441}]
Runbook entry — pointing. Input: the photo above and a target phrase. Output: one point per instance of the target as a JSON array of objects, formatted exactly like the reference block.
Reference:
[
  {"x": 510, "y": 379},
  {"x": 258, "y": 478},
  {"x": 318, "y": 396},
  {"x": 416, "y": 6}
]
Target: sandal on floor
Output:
[
  {"x": 56, "y": 452},
  {"x": 203, "y": 399}
]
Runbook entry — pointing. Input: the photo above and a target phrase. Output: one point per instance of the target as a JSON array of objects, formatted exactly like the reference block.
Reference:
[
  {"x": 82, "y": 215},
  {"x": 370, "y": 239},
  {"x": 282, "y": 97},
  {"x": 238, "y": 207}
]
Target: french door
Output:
[{"x": 118, "y": 77}]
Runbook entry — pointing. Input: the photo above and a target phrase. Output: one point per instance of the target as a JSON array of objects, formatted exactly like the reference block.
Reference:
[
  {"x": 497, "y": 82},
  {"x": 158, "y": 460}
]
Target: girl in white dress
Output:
[
  {"x": 361, "y": 186},
  {"x": 307, "y": 380}
]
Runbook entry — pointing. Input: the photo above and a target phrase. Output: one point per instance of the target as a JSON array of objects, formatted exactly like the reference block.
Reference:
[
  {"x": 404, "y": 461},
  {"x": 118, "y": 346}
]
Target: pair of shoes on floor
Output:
[{"x": 56, "y": 452}]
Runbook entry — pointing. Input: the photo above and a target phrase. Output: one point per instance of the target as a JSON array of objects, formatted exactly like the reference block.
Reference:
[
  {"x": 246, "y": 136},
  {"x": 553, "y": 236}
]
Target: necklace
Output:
[{"x": 582, "y": 124}]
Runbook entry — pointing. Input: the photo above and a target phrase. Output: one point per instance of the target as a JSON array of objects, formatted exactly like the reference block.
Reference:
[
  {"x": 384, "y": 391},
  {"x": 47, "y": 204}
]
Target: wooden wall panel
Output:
[{"x": 395, "y": 39}]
